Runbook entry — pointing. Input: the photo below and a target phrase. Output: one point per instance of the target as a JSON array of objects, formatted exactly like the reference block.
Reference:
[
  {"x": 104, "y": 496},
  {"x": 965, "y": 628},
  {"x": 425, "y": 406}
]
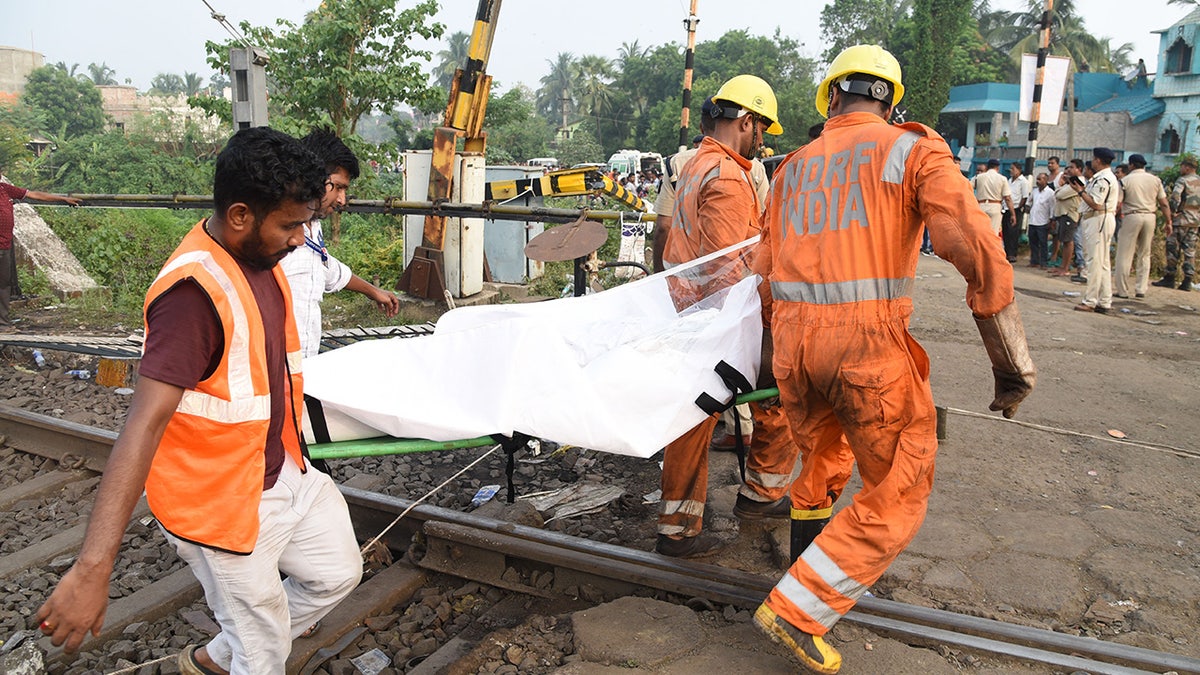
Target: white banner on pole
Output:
[{"x": 1054, "y": 85}]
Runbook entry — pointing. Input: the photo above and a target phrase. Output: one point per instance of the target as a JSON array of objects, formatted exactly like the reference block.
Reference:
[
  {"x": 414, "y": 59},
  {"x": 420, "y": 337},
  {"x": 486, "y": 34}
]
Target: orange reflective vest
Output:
[
  {"x": 206, "y": 480},
  {"x": 716, "y": 205},
  {"x": 845, "y": 217}
]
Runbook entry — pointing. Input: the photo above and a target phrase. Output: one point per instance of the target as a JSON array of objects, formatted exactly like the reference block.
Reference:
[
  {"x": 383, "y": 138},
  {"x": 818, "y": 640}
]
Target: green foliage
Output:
[
  {"x": 845, "y": 23},
  {"x": 122, "y": 249},
  {"x": 347, "y": 58},
  {"x": 938, "y": 26},
  {"x": 515, "y": 131},
  {"x": 165, "y": 84},
  {"x": 115, "y": 163},
  {"x": 373, "y": 246},
  {"x": 12, "y": 146},
  {"x": 70, "y": 106},
  {"x": 582, "y": 147}
]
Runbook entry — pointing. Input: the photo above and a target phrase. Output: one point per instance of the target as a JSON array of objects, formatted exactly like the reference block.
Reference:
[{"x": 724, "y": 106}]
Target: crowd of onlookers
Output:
[{"x": 1072, "y": 214}]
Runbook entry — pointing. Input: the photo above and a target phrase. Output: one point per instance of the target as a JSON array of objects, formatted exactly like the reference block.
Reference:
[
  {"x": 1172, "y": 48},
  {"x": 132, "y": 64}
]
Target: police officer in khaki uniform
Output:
[
  {"x": 1181, "y": 235},
  {"x": 1144, "y": 195}
]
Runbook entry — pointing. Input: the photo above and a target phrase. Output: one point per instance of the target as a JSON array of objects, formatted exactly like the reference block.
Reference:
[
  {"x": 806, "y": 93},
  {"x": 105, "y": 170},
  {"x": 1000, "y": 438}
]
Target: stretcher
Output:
[{"x": 625, "y": 371}]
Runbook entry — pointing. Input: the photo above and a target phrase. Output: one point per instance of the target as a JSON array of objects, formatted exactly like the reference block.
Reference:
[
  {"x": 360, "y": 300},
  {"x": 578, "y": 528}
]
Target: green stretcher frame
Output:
[{"x": 387, "y": 445}]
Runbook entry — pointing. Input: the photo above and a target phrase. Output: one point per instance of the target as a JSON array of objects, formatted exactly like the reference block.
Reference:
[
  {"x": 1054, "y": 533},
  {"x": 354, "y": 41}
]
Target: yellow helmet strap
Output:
[{"x": 865, "y": 85}]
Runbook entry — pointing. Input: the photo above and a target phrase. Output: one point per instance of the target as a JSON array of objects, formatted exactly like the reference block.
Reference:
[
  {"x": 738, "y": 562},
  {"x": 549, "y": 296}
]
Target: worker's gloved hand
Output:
[{"x": 1004, "y": 337}]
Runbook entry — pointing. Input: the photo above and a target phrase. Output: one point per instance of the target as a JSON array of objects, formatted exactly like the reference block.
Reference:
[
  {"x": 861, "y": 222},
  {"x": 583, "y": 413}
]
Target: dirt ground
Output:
[{"x": 1057, "y": 526}]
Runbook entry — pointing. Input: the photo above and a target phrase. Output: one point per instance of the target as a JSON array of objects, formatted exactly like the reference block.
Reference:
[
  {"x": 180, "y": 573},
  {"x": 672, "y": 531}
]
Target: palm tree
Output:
[
  {"x": 193, "y": 84},
  {"x": 100, "y": 74},
  {"x": 72, "y": 70},
  {"x": 593, "y": 88},
  {"x": 554, "y": 96},
  {"x": 450, "y": 59},
  {"x": 1019, "y": 32}
]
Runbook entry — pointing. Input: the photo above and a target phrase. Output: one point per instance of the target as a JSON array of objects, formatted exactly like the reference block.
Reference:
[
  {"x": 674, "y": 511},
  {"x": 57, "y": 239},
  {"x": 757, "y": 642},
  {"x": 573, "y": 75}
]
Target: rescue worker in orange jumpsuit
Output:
[
  {"x": 717, "y": 207},
  {"x": 839, "y": 247}
]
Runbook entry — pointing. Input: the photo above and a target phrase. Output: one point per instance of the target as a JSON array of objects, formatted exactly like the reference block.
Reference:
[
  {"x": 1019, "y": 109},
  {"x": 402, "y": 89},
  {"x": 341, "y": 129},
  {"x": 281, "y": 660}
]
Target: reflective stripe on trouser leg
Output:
[
  {"x": 879, "y": 396},
  {"x": 772, "y": 455},
  {"x": 685, "y": 481}
]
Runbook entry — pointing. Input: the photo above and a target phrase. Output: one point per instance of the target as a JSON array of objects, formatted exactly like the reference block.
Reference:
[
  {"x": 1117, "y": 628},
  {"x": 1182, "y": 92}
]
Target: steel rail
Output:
[{"x": 52, "y": 437}]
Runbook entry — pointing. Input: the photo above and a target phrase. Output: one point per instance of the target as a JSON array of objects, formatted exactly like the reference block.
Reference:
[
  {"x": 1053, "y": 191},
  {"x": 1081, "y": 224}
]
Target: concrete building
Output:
[
  {"x": 1108, "y": 110},
  {"x": 1178, "y": 87},
  {"x": 15, "y": 66},
  {"x": 127, "y": 107}
]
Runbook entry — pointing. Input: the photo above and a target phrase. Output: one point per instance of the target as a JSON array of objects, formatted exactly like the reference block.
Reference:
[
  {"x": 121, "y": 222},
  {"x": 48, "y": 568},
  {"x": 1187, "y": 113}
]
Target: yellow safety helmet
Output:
[
  {"x": 868, "y": 60},
  {"x": 754, "y": 94}
]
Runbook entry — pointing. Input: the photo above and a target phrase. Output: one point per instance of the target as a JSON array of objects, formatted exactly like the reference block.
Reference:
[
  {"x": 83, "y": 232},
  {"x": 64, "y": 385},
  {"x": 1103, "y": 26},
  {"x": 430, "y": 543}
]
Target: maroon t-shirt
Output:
[
  {"x": 10, "y": 194},
  {"x": 185, "y": 341}
]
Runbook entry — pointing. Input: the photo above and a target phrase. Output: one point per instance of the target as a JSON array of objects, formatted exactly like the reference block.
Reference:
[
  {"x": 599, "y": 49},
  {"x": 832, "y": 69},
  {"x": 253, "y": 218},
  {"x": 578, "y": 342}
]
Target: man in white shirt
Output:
[
  {"x": 1041, "y": 212},
  {"x": 311, "y": 271},
  {"x": 1012, "y": 218}
]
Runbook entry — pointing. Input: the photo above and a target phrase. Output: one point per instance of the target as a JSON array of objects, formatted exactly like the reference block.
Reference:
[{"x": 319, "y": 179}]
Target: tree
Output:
[
  {"x": 592, "y": 89},
  {"x": 71, "y": 70},
  {"x": 554, "y": 96},
  {"x": 845, "y": 23},
  {"x": 192, "y": 83},
  {"x": 515, "y": 131},
  {"x": 939, "y": 27},
  {"x": 1017, "y": 33},
  {"x": 347, "y": 58},
  {"x": 580, "y": 148},
  {"x": 70, "y": 106},
  {"x": 450, "y": 59},
  {"x": 100, "y": 74},
  {"x": 166, "y": 84}
]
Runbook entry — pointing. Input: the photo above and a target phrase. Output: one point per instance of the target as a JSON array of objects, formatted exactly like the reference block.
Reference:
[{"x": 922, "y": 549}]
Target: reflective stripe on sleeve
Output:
[
  {"x": 199, "y": 404},
  {"x": 295, "y": 362},
  {"x": 837, "y": 292},
  {"x": 893, "y": 169}
]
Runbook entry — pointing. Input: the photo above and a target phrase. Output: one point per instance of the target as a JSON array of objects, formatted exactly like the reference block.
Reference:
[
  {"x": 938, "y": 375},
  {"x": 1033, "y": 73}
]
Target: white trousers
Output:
[
  {"x": 741, "y": 411},
  {"x": 1097, "y": 238},
  {"x": 304, "y": 532},
  {"x": 1133, "y": 249},
  {"x": 995, "y": 213}
]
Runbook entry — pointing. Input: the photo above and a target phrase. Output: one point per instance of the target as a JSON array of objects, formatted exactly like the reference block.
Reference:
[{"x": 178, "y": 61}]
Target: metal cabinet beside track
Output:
[
  {"x": 464, "y": 236},
  {"x": 505, "y": 240}
]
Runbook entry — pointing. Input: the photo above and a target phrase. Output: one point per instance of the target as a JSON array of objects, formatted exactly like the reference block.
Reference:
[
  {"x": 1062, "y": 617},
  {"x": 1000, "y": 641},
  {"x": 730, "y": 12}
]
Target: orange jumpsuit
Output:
[
  {"x": 839, "y": 249},
  {"x": 717, "y": 207}
]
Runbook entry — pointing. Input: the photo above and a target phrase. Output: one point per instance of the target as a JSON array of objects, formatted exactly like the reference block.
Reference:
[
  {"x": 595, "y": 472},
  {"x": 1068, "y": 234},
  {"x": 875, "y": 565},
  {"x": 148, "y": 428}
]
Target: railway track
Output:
[{"x": 523, "y": 560}]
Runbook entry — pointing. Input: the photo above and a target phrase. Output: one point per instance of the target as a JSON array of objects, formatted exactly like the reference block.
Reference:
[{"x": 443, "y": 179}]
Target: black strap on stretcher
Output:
[
  {"x": 316, "y": 417},
  {"x": 511, "y": 444},
  {"x": 738, "y": 384}
]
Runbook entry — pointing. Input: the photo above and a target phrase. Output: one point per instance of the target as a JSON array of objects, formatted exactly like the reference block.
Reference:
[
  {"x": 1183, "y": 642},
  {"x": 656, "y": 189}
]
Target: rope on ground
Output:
[
  {"x": 139, "y": 666},
  {"x": 1160, "y": 447},
  {"x": 370, "y": 544}
]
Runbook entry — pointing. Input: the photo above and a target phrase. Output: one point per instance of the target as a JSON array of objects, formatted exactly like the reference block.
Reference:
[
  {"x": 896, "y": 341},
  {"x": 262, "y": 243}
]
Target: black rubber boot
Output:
[
  {"x": 1186, "y": 285},
  {"x": 1168, "y": 281},
  {"x": 803, "y": 534}
]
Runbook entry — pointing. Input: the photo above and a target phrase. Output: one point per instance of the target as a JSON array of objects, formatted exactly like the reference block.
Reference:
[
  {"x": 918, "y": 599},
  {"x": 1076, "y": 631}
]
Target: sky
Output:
[{"x": 140, "y": 38}]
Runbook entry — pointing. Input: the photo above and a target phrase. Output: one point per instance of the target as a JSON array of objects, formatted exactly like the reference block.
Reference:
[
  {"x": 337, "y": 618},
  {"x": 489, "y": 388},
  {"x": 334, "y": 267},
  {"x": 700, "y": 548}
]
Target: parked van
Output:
[
  {"x": 626, "y": 162},
  {"x": 547, "y": 163}
]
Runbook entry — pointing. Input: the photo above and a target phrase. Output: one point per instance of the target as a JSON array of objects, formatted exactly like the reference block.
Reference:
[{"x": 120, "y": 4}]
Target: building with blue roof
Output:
[
  {"x": 1107, "y": 110},
  {"x": 1177, "y": 87}
]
